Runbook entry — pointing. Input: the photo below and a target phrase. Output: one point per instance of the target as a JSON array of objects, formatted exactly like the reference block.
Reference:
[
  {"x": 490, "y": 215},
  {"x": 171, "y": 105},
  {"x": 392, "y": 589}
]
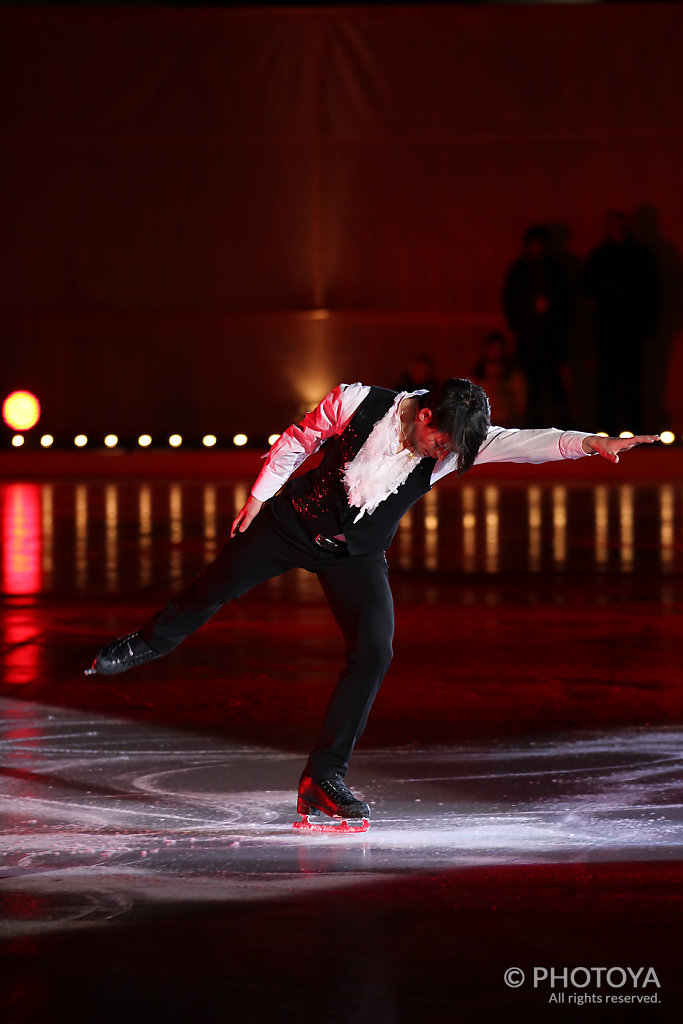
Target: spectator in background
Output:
[
  {"x": 502, "y": 380},
  {"x": 621, "y": 282},
  {"x": 420, "y": 373},
  {"x": 538, "y": 306}
]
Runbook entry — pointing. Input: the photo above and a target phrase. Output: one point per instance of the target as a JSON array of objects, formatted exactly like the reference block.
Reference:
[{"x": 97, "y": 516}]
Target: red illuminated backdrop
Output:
[
  {"x": 22, "y": 578},
  {"x": 203, "y": 202}
]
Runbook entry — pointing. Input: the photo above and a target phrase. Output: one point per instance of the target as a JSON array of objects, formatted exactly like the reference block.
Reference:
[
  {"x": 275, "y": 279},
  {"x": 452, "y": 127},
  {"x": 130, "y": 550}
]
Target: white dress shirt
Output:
[{"x": 332, "y": 415}]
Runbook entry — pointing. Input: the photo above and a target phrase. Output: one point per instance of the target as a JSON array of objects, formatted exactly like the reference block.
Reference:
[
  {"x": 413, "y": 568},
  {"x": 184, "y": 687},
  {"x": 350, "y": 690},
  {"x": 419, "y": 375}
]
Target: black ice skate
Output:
[
  {"x": 332, "y": 797},
  {"x": 120, "y": 655}
]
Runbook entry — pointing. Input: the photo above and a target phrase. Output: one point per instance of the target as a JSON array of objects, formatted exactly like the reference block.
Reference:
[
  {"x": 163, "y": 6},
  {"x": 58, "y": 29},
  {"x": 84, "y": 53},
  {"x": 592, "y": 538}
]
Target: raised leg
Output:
[{"x": 267, "y": 549}]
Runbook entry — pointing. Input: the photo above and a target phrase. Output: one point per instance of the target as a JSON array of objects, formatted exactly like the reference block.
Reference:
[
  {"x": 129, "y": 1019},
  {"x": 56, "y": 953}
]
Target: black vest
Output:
[{"x": 319, "y": 496}]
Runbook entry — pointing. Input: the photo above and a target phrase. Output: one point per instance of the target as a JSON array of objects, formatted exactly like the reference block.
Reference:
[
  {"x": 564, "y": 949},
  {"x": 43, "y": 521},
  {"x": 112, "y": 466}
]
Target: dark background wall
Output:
[{"x": 202, "y": 206}]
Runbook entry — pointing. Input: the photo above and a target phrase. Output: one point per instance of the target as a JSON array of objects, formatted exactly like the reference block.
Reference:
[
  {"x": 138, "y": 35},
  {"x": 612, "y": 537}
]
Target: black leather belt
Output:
[{"x": 331, "y": 544}]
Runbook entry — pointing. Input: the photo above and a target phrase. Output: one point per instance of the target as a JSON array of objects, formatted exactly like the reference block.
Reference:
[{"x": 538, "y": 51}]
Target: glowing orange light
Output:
[
  {"x": 17, "y": 440},
  {"x": 240, "y": 440},
  {"x": 667, "y": 437},
  {"x": 175, "y": 440},
  {"x": 21, "y": 410},
  {"x": 273, "y": 438},
  {"x": 111, "y": 440},
  {"x": 626, "y": 433},
  {"x": 144, "y": 440},
  {"x": 80, "y": 440},
  {"x": 46, "y": 440},
  {"x": 209, "y": 440}
]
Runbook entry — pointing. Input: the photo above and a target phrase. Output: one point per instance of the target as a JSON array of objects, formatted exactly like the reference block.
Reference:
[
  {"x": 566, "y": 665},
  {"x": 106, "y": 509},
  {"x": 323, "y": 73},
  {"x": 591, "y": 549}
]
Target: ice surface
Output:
[{"x": 103, "y": 817}]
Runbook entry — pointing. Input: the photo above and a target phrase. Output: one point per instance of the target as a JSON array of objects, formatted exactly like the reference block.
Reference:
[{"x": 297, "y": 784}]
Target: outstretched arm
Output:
[
  {"x": 549, "y": 444},
  {"x": 612, "y": 447},
  {"x": 543, "y": 445}
]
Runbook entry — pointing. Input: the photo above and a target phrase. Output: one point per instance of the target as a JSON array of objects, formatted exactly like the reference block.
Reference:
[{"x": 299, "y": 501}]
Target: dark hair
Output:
[{"x": 461, "y": 409}]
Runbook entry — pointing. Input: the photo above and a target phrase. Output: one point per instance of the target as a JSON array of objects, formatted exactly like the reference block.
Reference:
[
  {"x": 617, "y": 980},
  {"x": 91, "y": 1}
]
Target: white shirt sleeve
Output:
[
  {"x": 300, "y": 440},
  {"x": 514, "y": 445}
]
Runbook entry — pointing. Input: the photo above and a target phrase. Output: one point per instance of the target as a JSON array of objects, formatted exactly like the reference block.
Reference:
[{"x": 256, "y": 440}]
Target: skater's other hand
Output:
[
  {"x": 249, "y": 511},
  {"x": 611, "y": 447}
]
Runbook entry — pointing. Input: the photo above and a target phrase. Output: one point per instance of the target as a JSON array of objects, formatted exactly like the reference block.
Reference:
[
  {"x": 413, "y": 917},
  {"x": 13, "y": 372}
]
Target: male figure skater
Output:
[{"x": 382, "y": 451}]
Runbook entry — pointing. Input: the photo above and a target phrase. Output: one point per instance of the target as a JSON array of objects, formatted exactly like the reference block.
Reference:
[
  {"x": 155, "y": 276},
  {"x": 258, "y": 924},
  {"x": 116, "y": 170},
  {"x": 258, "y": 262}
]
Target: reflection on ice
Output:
[
  {"x": 105, "y": 814},
  {"x": 21, "y": 539},
  {"x": 124, "y": 534}
]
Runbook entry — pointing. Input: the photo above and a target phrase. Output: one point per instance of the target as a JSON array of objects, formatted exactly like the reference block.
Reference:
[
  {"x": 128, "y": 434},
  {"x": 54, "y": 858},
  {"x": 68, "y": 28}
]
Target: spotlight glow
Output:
[
  {"x": 17, "y": 440},
  {"x": 209, "y": 440},
  {"x": 144, "y": 440},
  {"x": 47, "y": 440},
  {"x": 175, "y": 440},
  {"x": 21, "y": 410},
  {"x": 240, "y": 440},
  {"x": 111, "y": 440},
  {"x": 626, "y": 433},
  {"x": 80, "y": 440},
  {"x": 273, "y": 438},
  {"x": 602, "y": 433},
  {"x": 667, "y": 437}
]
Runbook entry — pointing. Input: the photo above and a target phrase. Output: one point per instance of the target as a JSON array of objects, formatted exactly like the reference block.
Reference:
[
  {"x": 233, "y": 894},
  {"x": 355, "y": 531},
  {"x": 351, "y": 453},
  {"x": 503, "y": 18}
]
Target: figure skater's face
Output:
[{"x": 428, "y": 440}]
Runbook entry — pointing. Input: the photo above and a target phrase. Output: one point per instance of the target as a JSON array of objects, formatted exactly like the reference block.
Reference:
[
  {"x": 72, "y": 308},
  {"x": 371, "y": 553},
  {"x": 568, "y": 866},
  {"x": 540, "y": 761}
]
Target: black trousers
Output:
[{"x": 357, "y": 590}]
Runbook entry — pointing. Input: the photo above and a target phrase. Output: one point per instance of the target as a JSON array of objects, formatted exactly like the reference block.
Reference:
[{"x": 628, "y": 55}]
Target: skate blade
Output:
[
  {"x": 344, "y": 825},
  {"x": 90, "y": 672}
]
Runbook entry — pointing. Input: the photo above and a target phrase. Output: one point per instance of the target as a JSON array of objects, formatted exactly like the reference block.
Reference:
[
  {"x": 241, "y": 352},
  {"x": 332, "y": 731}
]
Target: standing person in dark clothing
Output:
[
  {"x": 621, "y": 283},
  {"x": 537, "y": 301},
  {"x": 382, "y": 451},
  {"x": 501, "y": 379},
  {"x": 420, "y": 373}
]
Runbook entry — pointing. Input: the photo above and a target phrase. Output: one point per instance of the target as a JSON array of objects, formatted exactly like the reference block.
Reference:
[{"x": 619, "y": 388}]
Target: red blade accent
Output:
[{"x": 356, "y": 825}]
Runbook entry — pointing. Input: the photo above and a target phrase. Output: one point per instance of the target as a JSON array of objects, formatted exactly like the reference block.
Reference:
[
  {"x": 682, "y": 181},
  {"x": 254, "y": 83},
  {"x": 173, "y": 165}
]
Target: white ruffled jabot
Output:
[{"x": 379, "y": 468}]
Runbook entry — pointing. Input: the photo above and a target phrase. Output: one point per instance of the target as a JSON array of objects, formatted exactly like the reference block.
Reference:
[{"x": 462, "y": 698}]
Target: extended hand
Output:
[
  {"x": 611, "y": 447},
  {"x": 249, "y": 511}
]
